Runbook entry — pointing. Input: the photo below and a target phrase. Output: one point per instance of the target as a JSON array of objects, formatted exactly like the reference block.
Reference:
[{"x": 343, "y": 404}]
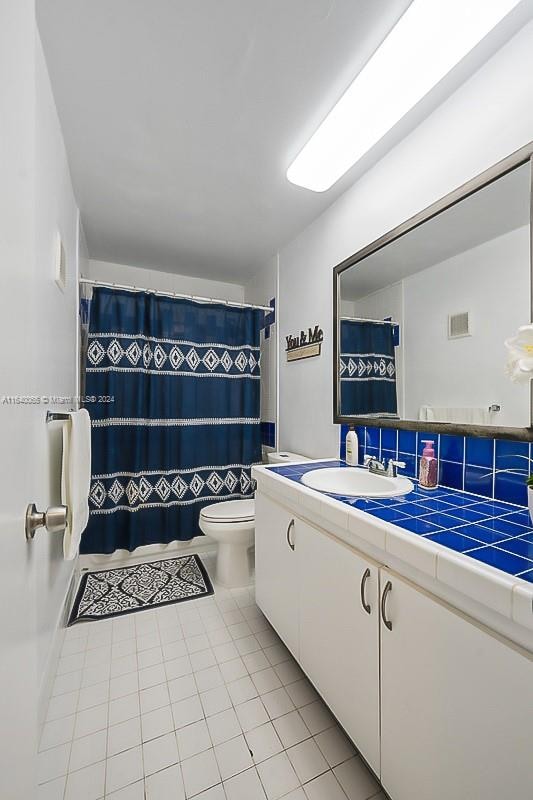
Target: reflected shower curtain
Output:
[
  {"x": 367, "y": 369},
  {"x": 173, "y": 391}
]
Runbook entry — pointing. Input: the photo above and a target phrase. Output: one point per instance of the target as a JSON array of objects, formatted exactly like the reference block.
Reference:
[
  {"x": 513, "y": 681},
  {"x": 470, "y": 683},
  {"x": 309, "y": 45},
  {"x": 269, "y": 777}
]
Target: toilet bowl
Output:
[{"x": 231, "y": 524}]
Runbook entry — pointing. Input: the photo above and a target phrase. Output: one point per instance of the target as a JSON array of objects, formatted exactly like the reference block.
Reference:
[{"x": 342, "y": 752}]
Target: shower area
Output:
[{"x": 173, "y": 386}]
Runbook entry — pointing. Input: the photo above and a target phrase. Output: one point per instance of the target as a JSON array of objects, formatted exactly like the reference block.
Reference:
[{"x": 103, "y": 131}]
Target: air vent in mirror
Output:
[{"x": 458, "y": 325}]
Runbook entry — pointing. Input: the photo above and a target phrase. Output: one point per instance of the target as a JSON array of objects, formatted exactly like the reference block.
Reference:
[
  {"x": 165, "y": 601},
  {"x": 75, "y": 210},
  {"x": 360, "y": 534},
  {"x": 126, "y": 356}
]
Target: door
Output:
[
  {"x": 456, "y": 703},
  {"x": 276, "y": 568},
  {"x": 339, "y": 634}
]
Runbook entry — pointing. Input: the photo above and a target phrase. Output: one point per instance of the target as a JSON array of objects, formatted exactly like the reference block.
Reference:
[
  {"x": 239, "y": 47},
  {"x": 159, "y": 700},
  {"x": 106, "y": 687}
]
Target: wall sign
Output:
[{"x": 306, "y": 345}]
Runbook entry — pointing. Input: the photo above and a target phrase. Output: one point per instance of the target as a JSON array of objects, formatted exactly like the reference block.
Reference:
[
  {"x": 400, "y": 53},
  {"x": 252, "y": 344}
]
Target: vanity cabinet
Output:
[
  {"x": 456, "y": 703},
  {"x": 276, "y": 574},
  {"x": 439, "y": 706},
  {"x": 339, "y": 634}
]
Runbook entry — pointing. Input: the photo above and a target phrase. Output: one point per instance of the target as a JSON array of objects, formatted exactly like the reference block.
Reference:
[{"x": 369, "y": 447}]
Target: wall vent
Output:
[{"x": 458, "y": 325}]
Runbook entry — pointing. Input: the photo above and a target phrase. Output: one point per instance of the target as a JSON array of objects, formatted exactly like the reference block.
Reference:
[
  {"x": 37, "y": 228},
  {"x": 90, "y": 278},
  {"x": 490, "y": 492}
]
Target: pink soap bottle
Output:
[{"x": 427, "y": 477}]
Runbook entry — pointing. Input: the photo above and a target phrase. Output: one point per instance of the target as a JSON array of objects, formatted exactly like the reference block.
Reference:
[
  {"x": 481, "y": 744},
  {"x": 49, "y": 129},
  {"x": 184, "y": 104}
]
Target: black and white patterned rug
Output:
[{"x": 155, "y": 583}]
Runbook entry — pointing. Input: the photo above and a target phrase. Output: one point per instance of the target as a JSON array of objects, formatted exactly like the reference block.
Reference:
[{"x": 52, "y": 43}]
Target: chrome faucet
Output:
[{"x": 377, "y": 467}]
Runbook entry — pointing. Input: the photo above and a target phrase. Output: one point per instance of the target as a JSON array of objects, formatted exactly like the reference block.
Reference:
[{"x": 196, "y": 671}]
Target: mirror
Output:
[{"x": 422, "y": 315}]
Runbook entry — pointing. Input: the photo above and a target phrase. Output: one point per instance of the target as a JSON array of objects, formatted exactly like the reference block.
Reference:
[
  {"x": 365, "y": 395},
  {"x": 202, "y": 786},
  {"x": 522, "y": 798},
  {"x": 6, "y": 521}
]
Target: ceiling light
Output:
[{"x": 429, "y": 40}]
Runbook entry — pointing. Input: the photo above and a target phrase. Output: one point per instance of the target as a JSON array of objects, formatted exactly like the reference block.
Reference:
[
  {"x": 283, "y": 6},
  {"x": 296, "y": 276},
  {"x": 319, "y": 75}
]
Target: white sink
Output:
[{"x": 354, "y": 482}]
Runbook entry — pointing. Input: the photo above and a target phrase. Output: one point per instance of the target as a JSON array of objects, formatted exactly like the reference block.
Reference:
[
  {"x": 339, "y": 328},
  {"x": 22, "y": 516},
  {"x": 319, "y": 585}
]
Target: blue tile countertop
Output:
[{"x": 496, "y": 533}]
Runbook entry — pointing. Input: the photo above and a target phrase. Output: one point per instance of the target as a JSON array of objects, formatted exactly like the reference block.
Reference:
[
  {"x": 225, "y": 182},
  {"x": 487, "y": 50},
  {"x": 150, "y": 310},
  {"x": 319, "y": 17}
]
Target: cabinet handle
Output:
[
  {"x": 386, "y": 590},
  {"x": 366, "y": 606},
  {"x": 290, "y": 525}
]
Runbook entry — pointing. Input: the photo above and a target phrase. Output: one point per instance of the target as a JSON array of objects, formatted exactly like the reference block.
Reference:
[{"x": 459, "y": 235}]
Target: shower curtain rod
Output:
[
  {"x": 198, "y": 298},
  {"x": 365, "y": 319}
]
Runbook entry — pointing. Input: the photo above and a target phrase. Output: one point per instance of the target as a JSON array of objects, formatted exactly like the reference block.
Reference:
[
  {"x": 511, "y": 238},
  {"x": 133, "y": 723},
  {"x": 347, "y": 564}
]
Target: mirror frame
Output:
[{"x": 516, "y": 159}]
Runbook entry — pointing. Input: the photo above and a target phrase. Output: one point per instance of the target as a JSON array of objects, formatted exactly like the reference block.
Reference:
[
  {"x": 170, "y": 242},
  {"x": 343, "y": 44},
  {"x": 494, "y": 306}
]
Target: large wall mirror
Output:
[{"x": 421, "y": 315}]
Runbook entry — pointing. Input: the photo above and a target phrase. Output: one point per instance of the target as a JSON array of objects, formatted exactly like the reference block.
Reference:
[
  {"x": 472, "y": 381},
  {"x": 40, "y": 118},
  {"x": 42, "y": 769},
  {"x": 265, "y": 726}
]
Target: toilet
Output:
[{"x": 231, "y": 524}]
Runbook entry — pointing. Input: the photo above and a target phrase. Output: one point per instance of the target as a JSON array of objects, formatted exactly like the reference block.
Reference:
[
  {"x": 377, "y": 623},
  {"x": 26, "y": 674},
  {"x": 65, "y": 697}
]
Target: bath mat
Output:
[{"x": 119, "y": 591}]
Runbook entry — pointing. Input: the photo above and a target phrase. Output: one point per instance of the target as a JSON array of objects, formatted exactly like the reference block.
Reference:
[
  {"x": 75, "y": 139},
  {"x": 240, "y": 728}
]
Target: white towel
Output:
[
  {"x": 76, "y": 479},
  {"x": 462, "y": 416}
]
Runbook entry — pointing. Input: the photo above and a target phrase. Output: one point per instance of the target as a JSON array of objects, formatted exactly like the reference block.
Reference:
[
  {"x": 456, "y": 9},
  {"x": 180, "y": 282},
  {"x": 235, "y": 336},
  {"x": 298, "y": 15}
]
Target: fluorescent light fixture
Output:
[{"x": 429, "y": 40}]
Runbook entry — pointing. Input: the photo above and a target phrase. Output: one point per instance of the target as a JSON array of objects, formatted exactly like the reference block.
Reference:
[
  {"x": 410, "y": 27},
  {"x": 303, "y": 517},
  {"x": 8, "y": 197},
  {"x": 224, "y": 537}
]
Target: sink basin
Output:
[{"x": 354, "y": 482}]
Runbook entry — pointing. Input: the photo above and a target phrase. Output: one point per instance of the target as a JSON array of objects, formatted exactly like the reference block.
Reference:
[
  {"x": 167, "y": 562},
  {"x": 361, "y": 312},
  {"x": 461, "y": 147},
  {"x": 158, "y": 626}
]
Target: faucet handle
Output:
[{"x": 393, "y": 467}]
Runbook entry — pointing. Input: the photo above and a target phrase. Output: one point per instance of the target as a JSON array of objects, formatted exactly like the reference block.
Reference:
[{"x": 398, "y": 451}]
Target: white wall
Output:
[
  {"x": 492, "y": 283},
  {"x": 162, "y": 281},
  {"x": 260, "y": 290},
  {"x": 487, "y": 118}
]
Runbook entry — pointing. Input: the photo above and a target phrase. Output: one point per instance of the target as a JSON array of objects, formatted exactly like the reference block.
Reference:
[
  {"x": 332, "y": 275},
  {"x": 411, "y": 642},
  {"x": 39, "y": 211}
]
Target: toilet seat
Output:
[{"x": 229, "y": 511}]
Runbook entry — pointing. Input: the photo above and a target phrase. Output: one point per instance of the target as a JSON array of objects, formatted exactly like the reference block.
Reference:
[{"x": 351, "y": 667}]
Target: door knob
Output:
[{"x": 54, "y": 519}]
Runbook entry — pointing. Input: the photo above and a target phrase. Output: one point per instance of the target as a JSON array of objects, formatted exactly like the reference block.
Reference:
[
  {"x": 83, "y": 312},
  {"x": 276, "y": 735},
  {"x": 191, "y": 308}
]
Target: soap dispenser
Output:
[
  {"x": 352, "y": 448},
  {"x": 427, "y": 477}
]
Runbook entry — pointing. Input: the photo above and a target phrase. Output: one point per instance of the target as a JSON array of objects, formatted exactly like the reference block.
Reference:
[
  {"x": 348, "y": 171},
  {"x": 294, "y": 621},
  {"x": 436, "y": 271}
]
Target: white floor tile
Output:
[
  {"x": 56, "y": 732},
  {"x": 202, "y": 659},
  {"x": 215, "y": 793},
  {"x": 256, "y": 661},
  {"x": 187, "y": 711},
  {"x": 266, "y": 680},
  {"x": 151, "y": 676},
  {"x": 233, "y": 670},
  {"x": 325, "y": 787},
  {"x": 245, "y": 786},
  {"x": 123, "y": 736},
  {"x": 209, "y": 678},
  {"x": 135, "y": 791},
  {"x": 62, "y": 706},
  {"x": 123, "y": 769},
  {"x": 156, "y": 723},
  {"x": 53, "y": 763},
  {"x": 91, "y": 720},
  {"x": 123, "y": 685},
  {"x": 93, "y": 696},
  {"x": 224, "y": 726},
  {"x": 53, "y": 790},
  {"x": 181, "y": 688},
  {"x": 356, "y": 779},
  {"x": 241, "y": 690},
  {"x": 296, "y": 794},
  {"x": 87, "y": 783},
  {"x": 178, "y": 667},
  {"x": 123, "y": 665},
  {"x": 251, "y": 714},
  {"x": 278, "y": 776},
  {"x": 124, "y": 708},
  {"x": 160, "y": 753},
  {"x": 193, "y": 739},
  {"x": 291, "y": 729},
  {"x": 154, "y": 697},
  {"x": 264, "y": 742},
  {"x": 218, "y": 635},
  {"x": 88, "y": 750},
  {"x": 225, "y": 652},
  {"x": 173, "y": 650},
  {"x": 317, "y": 717},
  {"x": 215, "y": 700},
  {"x": 335, "y": 746},
  {"x": 165, "y": 785},
  {"x": 247, "y": 645},
  {"x": 233, "y": 757},
  {"x": 149, "y": 658},
  {"x": 64, "y": 684},
  {"x": 301, "y": 693},
  {"x": 289, "y": 672},
  {"x": 307, "y": 760},
  {"x": 277, "y": 703},
  {"x": 200, "y": 773},
  {"x": 277, "y": 653}
]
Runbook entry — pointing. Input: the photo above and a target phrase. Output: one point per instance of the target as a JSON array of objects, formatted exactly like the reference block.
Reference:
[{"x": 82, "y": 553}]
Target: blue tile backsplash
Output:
[
  {"x": 493, "y": 468},
  {"x": 492, "y": 531},
  {"x": 268, "y": 434}
]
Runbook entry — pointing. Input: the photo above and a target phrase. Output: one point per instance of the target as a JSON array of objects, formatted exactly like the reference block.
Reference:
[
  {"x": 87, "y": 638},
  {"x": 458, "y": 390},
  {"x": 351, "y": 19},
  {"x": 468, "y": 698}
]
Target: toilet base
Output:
[{"x": 233, "y": 565}]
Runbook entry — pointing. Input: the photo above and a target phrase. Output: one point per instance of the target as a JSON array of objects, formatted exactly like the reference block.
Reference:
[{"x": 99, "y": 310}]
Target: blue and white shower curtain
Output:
[
  {"x": 172, "y": 387},
  {"x": 367, "y": 369}
]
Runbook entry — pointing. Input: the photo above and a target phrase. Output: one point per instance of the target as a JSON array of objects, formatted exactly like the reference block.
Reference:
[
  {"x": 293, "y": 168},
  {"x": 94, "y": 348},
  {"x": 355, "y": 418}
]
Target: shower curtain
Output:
[
  {"x": 172, "y": 387},
  {"x": 367, "y": 369}
]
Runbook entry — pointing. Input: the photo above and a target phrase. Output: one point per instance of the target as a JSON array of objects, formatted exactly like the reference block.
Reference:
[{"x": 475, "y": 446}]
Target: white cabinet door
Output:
[
  {"x": 339, "y": 634},
  {"x": 276, "y": 568},
  {"x": 456, "y": 704}
]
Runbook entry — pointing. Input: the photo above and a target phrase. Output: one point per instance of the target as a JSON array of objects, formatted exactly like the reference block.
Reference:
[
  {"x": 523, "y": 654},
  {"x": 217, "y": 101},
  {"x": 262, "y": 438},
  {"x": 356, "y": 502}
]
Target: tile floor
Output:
[{"x": 194, "y": 700}]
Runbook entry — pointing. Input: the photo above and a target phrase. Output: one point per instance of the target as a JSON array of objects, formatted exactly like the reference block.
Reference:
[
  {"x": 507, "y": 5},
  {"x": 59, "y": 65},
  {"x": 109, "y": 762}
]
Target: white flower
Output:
[{"x": 520, "y": 360}]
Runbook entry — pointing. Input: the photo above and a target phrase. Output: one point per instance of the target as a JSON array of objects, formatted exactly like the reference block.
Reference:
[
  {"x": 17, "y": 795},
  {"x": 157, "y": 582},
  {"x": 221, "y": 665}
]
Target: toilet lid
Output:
[{"x": 230, "y": 511}]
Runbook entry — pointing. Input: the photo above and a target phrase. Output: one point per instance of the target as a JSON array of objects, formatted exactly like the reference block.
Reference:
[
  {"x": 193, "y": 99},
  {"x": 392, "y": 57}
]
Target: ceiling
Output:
[
  {"x": 497, "y": 209},
  {"x": 181, "y": 117}
]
